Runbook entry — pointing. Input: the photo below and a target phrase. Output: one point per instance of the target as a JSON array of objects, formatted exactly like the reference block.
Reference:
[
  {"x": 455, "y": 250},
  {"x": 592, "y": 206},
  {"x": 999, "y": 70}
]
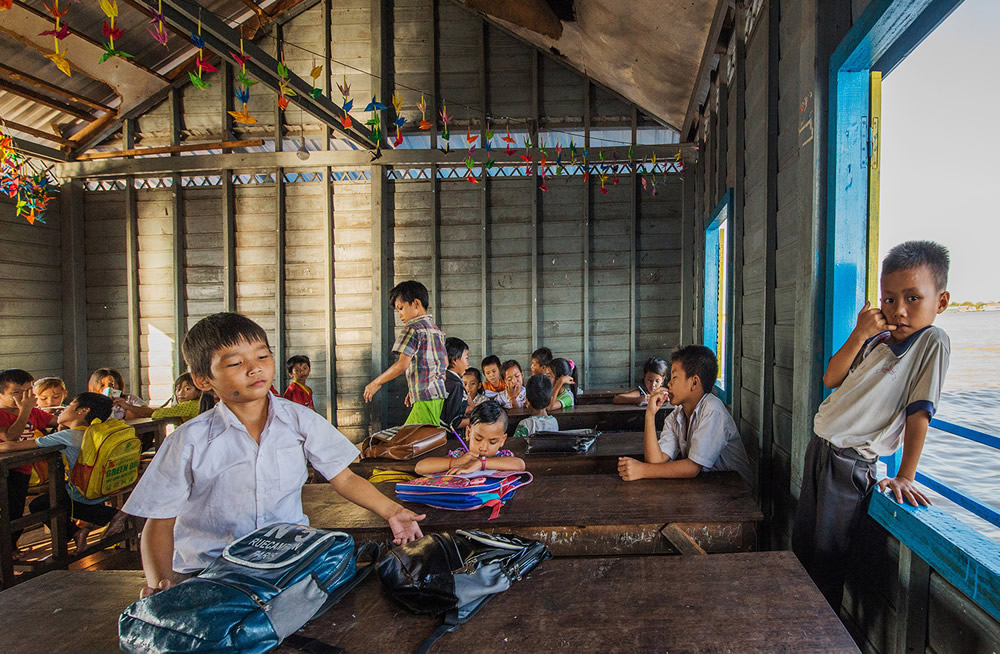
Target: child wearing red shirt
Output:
[{"x": 299, "y": 368}]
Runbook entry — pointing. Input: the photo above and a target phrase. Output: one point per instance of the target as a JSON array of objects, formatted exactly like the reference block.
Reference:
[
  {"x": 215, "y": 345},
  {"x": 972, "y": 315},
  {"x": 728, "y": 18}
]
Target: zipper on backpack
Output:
[{"x": 254, "y": 597}]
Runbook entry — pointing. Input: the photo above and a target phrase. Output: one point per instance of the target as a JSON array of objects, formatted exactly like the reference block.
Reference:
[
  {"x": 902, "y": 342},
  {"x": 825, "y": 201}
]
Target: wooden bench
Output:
[
  {"x": 596, "y": 515},
  {"x": 761, "y": 602},
  {"x": 603, "y": 417},
  {"x": 602, "y": 458}
]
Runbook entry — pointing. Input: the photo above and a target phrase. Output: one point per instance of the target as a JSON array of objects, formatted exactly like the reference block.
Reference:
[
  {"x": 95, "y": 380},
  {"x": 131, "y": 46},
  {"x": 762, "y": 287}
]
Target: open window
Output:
[{"x": 718, "y": 330}]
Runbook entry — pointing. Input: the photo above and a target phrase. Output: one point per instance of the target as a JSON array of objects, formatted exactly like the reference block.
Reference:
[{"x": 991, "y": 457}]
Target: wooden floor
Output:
[{"x": 37, "y": 547}]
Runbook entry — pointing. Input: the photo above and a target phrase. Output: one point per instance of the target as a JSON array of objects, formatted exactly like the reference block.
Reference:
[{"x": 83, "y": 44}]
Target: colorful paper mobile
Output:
[
  {"x": 375, "y": 122},
  {"x": 110, "y": 9},
  {"x": 397, "y": 104},
  {"x": 200, "y": 44},
  {"x": 58, "y": 33},
  {"x": 316, "y": 92},
  {"x": 424, "y": 124},
  {"x": 243, "y": 93},
  {"x": 445, "y": 134},
  {"x": 160, "y": 33},
  {"x": 20, "y": 180},
  {"x": 6, "y": 4},
  {"x": 604, "y": 179},
  {"x": 284, "y": 91},
  {"x": 345, "y": 92}
]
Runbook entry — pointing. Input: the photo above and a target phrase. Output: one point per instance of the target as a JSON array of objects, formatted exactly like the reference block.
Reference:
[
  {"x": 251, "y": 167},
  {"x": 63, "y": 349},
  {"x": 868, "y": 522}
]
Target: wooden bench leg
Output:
[
  {"x": 6, "y": 551},
  {"x": 681, "y": 540}
]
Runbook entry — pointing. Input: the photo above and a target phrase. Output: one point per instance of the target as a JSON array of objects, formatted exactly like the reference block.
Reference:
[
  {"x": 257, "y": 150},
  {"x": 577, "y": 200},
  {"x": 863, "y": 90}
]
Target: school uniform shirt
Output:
[
  {"x": 503, "y": 400},
  {"x": 491, "y": 391},
  {"x": 300, "y": 394},
  {"x": 565, "y": 397},
  {"x": 457, "y": 400},
  {"x": 73, "y": 440},
  {"x": 533, "y": 424},
  {"x": 424, "y": 343},
  {"x": 887, "y": 383},
  {"x": 710, "y": 439},
  {"x": 220, "y": 484},
  {"x": 37, "y": 421},
  {"x": 480, "y": 398},
  {"x": 134, "y": 400}
]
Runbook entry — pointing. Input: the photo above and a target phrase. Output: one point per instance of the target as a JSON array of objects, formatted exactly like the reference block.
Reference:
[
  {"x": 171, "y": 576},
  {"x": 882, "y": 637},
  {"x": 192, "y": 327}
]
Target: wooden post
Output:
[
  {"x": 228, "y": 241},
  {"x": 331, "y": 299},
  {"x": 633, "y": 235},
  {"x": 914, "y": 600},
  {"x": 227, "y": 100},
  {"x": 132, "y": 270},
  {"x": 178, "y": 229},
  {"x": 327, "y": 72},
  {"x": 279, "y": 115},
  {"x": 279, "y": 281},
  {"x": 687, "y": 256},
  {"x": 739, "y": 149},
  {"x": 435, "y": 289},
  {"x": 484, "y": 198},
  {"x": 74, "y": 285},
  {"x": 585, "y": 239},
  {"x": 535, "y": 200}
]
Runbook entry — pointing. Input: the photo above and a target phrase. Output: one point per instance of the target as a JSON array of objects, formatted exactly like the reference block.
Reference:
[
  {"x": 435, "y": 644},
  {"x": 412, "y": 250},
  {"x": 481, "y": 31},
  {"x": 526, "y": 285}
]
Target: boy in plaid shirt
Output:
[{"x": 422, "y": 355}]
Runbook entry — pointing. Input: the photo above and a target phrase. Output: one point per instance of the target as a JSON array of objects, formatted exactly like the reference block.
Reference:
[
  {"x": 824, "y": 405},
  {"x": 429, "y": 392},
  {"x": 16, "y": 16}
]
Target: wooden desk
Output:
[
  {"x": 758, "y": 602},
  {"x": 596, "y": 515},
  {"x": 602, "y": 395},
  {"x": 57, "y": 515},
  {"x": 603, "y": 417},
  {"x": 602, "y": 458},
  {"x": 152, "y": 431}
]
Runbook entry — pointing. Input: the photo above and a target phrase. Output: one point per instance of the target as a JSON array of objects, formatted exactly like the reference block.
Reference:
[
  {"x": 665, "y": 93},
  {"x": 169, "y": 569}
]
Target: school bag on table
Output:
[
  {"x": 464, "y": 493},
  {"x": 108, "y": 460},
  {"x": 264, "y": 588},
  {"x": 455, "y": 574},
  {"x": 404, "y": 442},
  {"x": 574, "y": 441}
]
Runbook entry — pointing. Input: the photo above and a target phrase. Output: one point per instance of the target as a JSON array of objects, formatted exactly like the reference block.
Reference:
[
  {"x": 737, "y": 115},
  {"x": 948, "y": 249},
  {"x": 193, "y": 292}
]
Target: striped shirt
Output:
[{"x": 423, "y": 342}]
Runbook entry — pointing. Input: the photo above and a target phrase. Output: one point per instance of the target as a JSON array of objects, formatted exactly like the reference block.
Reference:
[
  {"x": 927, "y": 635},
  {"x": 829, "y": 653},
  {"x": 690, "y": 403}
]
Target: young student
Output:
[
  {"x": 453, "y": 412},
  {"x": 51, "y": 393},
  {"x": 493, "y": 382},
  {"x": 485, "y": 437},
  {"x": 186, "y": 402},
  {"x": 110, "y": 382},
  {"x": 654, "y": 373},
  {"x": 563, "y": 376},
  {"x": 473, "y": 382},
  {"x": 422, "y": 355},
  {"x": 539, "y": 394},
  {"x": 698, "y": 435},
  {"x": 73, "y": 422},
  {"x": 298, "y": 368},
  {"x": 513, "y": 395},
  {"x": 19, "y": 418},
  {"x": 887, "y": 379},
  {"x": 540, "y": 358},
  {"x": 241, "y": 465}
]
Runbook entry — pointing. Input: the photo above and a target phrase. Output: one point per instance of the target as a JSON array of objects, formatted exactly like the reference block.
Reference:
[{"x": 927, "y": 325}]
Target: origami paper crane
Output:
[
  {"x": 488, "y": 140},
  {"x": 241, "y": 58},
  {"x": 604, "y": 178},
  {"x": 6, "y": 4},
  {"x": 59, "y": 33},
  {"x": 59, "y": 59},
  {"x": 345, "y": 90},
  {"x": 445, "y": 134},
  {"x": 346, "y": 121},
  {"x": 508, "y": 139},
  {"x": 469, "y": 138},
  {"x": 203, "y": 65},
  {"x": 243, "y": 117},
  {"x": 245, "y": 80},
  {"x": 423, "y": 114},
  {"x": 160, "y": 33},
  {"x": 375, "y": 105}
]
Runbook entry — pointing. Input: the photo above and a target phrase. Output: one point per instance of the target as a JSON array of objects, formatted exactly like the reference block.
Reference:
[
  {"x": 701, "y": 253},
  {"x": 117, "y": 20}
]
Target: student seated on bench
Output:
[
  {"x": 73, "y": 422},
  {"x": 699, "y": 434},
  {"x": 485, "y": 436},
  {"x": 242, "y": 464},
  {"x": 539, "y": 393}
]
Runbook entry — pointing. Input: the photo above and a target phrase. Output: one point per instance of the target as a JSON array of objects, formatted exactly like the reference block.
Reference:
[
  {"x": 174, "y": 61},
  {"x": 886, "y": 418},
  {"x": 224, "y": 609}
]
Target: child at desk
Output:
[
  {"x": 539, "y": 393},
  {"x": 486, "y": 436},
  {"x": 108, "y": 381},
  {"x": 186, "y": 402},
  {"x": 654, "y": 373},
  {"x": 493, "y": 376},
  {"x": 51, "y": 393},
  {"x": 473, "y": 382},
  {"x": 563, "y": 375},
  {"x": 241, "y": 465},
  {"x": 540, "y": 358},
  {"x": 513, "y": 395},
  {"x": 453, "y": 413},
  {"x": 698, "y": 435}
]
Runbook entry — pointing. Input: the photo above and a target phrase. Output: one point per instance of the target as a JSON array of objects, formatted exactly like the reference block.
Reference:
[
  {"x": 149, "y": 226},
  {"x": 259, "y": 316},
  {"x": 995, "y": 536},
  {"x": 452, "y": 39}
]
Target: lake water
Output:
[{"x": 971, "y": 398}]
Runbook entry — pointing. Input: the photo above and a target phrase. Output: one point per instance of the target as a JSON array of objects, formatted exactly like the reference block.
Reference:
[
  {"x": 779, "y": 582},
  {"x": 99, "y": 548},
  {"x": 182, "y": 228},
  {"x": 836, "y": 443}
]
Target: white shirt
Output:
[
  {"x": 220, "y": 485},
  {"x": 711, "y": 439},
  {"x": 887, "y": 383},
  {"x": 504, "y": 400}
]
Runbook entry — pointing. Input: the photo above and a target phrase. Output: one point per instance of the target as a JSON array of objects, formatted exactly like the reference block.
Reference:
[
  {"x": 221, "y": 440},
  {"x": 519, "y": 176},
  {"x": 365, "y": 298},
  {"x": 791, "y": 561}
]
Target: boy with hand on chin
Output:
[
  {"x": 698, "y": 435},
  {"x": 422, "y": 356},
  {"x": 887, "y": 379},
  {"x": 241, "y": 465}
]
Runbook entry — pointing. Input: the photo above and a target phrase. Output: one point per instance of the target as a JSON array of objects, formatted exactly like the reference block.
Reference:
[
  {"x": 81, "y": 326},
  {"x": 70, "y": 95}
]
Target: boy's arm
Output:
[
  {"x": 16, "y": 446},
  {"x": 393, "y": 371},
  {"x": 651, "y": 443},
  {"x": 403, "y": 522},
  {"x": 632, "y": 397},
  {"x": 157, "y": 547},
  {"x": 629, "y": 469},
  {"x": 903, "y": 485},
  {"x": 24, "y": 406},
  {"x": 433, "y": 465},
  {"x": 871, "y": 323}
]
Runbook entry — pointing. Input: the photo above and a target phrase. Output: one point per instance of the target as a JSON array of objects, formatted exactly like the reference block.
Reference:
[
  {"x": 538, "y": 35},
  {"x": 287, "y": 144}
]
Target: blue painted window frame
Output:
[
  {"x": 880, "y": 39},
  {"x": 723, "y": 213}
]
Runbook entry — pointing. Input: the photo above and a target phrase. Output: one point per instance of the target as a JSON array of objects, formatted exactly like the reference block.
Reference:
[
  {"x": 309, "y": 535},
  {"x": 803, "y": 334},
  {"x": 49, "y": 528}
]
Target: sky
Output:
[{"x": 940, "y": 148}]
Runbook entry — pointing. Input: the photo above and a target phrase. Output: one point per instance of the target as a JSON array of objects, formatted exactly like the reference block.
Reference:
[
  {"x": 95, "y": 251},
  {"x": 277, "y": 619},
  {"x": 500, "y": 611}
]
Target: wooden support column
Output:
[
  {"x": 535, "y": 200},
  {"x": 74, "y": 285},
  {"x": 227, "y": 100},
  {"x": 738, "y": 90},
  {"x": 279, "y": 281},
  {"x": 381, "y": 56},
  {"x": 327, "y": 69},
  {"x": 228, "y": 242},
  {"x": 435, "y": 289},
  {"x": 279, "y": 115},
  {"x": 132, "y": 270},
  {"x": 633, "y": 235},
  {"x": 484, "y": 278},
  {"x": 687, "y": 256},
  {"x": 331, "y": 299},
  {"x": 585, "y": 238},
  {"x": 178, "y": 229},
  {"x": 914, "y": 600}
]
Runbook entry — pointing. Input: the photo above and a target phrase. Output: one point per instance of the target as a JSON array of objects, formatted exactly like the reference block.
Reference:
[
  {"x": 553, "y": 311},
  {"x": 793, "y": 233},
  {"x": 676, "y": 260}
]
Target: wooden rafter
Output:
[
  {"x": 37, "y": 133},
  {"x": 257, "y": 22},
  {"x": 169, "y": 149},
  {"x": 52, "y": 103},
  {"x": 52, "y": 88}
]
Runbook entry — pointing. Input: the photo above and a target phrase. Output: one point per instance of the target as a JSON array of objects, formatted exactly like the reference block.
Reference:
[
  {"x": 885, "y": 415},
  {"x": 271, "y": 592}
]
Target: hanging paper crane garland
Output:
[
  {"x": 243, "y": 93},
  {"x": 20, "y": 180},
  {"x": 424, "y": 124},
  {"x": 199, "y": 59},
  {"x": 445, "y": 133},
  {"x": 110, "y": 9},
  {"x": 316, "y": 71},
  {"x": 397, "y": 104},
  {"x": 160, "y": 33},
  {"x": 284, "y": 91},
  {"x": 58, "y": 33},
  {"x": 345, "y": 92}
]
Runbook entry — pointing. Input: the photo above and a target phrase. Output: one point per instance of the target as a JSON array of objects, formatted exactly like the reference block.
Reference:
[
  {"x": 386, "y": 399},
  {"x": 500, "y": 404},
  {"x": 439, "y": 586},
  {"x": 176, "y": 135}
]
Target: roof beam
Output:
[
  {"x": 222, "y": 38},
  {"x": 52, "y": 103},
  {"x": 37, "y": 133},
  {"x": 39, "y": 151},
  {"x": 13, "y": 73},
  {"x": 170, "y": 149},
  {"x": 705, "y": 67}
]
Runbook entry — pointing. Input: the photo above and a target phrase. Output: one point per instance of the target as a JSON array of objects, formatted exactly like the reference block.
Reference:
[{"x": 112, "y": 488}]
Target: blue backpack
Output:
[
  {"x": 264, "y": 587},
  {"x": 464, "y": 493}
]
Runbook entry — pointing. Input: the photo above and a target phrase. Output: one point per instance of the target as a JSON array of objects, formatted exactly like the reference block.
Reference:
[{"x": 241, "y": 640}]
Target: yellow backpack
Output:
[
  {"x": 380, "y": 476},
  {"x": 109, "y": 459}
]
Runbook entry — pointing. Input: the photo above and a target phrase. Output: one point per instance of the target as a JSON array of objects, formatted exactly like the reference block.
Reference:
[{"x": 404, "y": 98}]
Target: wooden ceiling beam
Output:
[
  {"x": 704, "y": 68},
  {"x": 170, "y": 149},
  {"x": 15, "y": 74},
  {"x": 258, "y": 22},
  {"x": 37, "y": 133},
  {"x": 52, "y": 103}
]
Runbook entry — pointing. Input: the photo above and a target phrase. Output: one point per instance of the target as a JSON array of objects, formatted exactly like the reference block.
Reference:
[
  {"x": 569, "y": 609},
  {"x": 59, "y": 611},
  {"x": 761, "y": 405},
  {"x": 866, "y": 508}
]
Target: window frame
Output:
[{"x": 721, "y": 215}]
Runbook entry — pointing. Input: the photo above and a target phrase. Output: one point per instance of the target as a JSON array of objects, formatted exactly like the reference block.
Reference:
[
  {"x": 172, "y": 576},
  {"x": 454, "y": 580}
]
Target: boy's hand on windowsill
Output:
[{"x": 903, "y": 488}]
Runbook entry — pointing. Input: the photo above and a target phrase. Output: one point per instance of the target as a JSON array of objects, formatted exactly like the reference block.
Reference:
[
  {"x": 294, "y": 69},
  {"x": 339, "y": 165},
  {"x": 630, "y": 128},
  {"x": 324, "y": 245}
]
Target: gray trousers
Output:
[{"x": 836, "y": 487}]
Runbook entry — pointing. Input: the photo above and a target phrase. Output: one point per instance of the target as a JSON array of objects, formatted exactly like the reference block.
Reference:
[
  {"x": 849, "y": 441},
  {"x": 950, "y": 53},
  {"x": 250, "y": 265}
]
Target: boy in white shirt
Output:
[
  {"x": 241, "y": 465},
  {"x": 699, "y": 434}
]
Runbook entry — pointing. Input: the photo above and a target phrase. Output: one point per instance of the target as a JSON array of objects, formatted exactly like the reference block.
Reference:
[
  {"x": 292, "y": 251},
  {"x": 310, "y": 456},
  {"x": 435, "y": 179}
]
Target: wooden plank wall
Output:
[
  {"x": 156, "y": 300},
  {"x": 106, "y": 271},
  {"x": 31, "y": 322}
]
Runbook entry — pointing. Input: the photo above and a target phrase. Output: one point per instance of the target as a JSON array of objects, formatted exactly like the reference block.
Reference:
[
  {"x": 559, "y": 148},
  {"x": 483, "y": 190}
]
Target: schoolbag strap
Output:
[
  {"x": 311, "y": 645},
  {"x": 372, "y": 550},
  {"x": 497, "y": 504},
  {"x": 450, "y": 624}
]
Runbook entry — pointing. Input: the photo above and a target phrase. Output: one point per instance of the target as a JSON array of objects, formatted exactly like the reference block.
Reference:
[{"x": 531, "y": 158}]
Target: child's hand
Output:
[
  {"x": 149, "y": 590},
  {"x": 407, "y": 401},
  {"x": 371, "y": 389},
  {"x": 656, "y": 402},
  {"x": 404, "y": 526},
  {"x": 904, "y": 488},
  {"x": 468, "y": 462},
  {"x": 26, "y": 401},
  {"x": 120, "y": 402},
  {"x": 565, "y": 380},
  {"x": 629, "y": 469},
  {"x": 871, "y": 322}
]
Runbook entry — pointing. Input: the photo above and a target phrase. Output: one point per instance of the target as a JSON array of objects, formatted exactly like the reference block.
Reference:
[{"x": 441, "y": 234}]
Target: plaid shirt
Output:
[{"x": 424, "y": 343}]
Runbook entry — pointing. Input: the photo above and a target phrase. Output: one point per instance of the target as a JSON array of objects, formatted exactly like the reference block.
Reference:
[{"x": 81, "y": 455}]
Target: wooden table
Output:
[
  {"x": 601, "y": 395},
  {"x": 596, "y": 515},
  {"x": 152, "y": 431},
  {"x": 602, "y": 458},
  {"x": 758, "y": 602},
  {"x": 603, "y": 417},
  {"x": 57, "y": 515}
]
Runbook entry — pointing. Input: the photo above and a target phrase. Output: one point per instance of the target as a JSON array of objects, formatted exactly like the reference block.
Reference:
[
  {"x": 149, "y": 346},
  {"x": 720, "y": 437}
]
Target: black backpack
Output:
[{"x": 454, "y": 574}]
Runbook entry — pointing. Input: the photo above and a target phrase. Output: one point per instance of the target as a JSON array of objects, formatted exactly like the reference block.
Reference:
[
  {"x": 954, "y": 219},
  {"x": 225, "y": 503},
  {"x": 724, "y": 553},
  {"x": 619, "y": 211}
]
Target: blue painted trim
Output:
[
  {"x": 965, "y": 432},
  {"x": 928, "y": 20},
  {"x": 971, "y": 504},
  {"x": 960, "y": 554},
  {"x": 710, "y": 333},
  {"x": 882, "y": 24}
]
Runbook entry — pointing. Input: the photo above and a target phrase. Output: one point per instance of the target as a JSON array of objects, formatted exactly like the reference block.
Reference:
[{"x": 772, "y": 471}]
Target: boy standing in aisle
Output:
[
  {"x": 422, "y": 355},
  {"x": 887, "y": 379}
]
